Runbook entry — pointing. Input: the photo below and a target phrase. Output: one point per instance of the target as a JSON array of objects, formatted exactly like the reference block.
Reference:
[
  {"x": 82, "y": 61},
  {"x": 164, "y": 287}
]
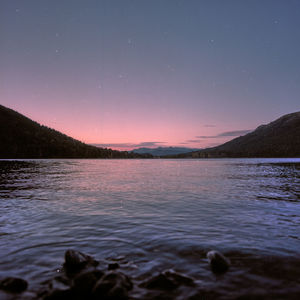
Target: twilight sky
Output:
[{"x": 128, "y": 73}]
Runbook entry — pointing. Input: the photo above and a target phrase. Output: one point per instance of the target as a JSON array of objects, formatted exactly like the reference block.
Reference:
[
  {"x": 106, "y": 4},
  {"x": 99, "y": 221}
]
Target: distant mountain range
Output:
[
  {"x": 280, "y": 138},
  {"x": 21, "y": 137},
  {"x": 162, "y": 151}
]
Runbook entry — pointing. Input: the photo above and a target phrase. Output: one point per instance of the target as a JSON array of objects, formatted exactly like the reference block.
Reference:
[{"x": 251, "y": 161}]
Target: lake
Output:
[{"x": 156, "y": 214}]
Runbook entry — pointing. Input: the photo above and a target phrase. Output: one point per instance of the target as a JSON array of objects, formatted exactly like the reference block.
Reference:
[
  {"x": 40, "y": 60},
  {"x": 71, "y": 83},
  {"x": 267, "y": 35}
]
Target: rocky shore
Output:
[
  {"x": 235, "y": 275},
  {"x": 81, "y": 278}
]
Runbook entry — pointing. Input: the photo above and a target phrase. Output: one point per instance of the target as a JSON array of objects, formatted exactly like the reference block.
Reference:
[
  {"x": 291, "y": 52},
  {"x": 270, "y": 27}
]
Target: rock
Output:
[
  {"x": 13, "y": 285},
  {"x": 84, "y": 282},
  {"x": 168, "y": 280},
  {"x": 218, "y": 262},
  {"x": 76, "y": 261},
  {"x": 207, "y": 294},
  {"x": 179, "y": 278},
  {"x": 60, "y": 295},
  {"x": 113, "y": 266},
  {"x": 160, "y": 282},
  {"x": 62, "y": 280},
  {"x": 113, "y": 285},
  {"x": 56, "y": 285}
]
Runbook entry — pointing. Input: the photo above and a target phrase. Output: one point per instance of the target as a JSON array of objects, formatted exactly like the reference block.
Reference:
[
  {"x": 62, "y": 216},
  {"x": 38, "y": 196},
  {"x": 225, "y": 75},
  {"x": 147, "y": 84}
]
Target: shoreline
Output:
[{"x": 81, "y": 276}]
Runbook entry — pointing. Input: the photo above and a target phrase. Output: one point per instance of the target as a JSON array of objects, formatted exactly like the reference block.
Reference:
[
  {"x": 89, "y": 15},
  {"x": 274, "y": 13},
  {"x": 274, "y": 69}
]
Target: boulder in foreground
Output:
[{"x": 76, "y": 261}]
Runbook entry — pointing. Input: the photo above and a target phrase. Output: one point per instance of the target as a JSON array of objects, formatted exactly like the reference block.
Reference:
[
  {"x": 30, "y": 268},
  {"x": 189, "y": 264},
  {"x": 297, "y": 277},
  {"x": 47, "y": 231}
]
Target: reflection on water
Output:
[{"x": 157, "y": 214}]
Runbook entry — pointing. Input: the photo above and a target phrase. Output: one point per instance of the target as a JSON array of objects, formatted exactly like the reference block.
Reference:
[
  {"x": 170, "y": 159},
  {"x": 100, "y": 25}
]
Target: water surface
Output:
[{"x": 152, "y": 215}]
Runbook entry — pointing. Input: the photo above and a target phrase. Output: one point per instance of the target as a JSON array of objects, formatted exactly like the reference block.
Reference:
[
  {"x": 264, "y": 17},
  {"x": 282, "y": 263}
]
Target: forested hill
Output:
[
  {"x": 280, "y": 138},
  {"x": 21, "y": 137}
]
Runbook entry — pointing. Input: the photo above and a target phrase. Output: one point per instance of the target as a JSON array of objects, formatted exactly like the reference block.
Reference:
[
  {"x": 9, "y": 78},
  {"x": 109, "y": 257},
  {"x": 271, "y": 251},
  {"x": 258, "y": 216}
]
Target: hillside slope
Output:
[
  {"x": 280, "y": 138},
  {"x": 21, "y": 137}
]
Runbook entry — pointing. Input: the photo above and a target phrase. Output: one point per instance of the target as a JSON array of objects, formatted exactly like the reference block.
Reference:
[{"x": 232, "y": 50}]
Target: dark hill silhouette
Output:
[
  {"x": 280, "y": 138},
  {"x": 21, "y": 137}
]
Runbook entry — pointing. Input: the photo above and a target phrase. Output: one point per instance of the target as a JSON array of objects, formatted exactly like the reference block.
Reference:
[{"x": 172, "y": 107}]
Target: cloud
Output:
[
  {"x": 225, "y": 134},
  {"x": 149, "y": 144},
  {"x": 235, "y": 133},
  {"x": 193, "y": 141},
  {"x": 129, "y": 145}
]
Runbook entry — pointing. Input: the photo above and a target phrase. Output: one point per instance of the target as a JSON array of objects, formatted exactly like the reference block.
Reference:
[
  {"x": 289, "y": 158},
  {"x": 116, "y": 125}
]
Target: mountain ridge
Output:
[
  {"x": 162, "y": 151},
  {"x": 279, "y": 138},
  {"x": 22, "y": 137}
]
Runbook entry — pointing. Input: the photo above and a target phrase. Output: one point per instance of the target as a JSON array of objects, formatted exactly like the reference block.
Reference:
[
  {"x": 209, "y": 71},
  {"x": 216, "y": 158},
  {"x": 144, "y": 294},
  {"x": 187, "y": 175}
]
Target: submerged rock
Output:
[
  {"x": 168, "y": 280},
  {"x": 218, "y": 262},
  {"x": 76, "y": 261},
  {"x": 13, "y": 285},
  {"x": 113, "y": 285}
]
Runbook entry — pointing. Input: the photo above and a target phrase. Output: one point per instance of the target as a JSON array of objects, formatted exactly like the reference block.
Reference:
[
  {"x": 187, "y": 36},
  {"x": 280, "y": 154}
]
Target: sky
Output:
[{"x": 147, "y": 73}]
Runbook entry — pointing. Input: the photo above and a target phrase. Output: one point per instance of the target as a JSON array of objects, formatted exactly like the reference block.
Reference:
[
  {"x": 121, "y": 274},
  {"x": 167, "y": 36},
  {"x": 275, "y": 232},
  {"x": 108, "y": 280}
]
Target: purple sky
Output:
[{"x": 150, "y": 73}]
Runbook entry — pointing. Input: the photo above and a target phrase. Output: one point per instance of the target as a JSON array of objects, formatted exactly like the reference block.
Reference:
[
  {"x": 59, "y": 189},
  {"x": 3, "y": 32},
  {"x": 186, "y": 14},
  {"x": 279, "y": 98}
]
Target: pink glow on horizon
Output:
[{"x": 128, "y": 131}]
